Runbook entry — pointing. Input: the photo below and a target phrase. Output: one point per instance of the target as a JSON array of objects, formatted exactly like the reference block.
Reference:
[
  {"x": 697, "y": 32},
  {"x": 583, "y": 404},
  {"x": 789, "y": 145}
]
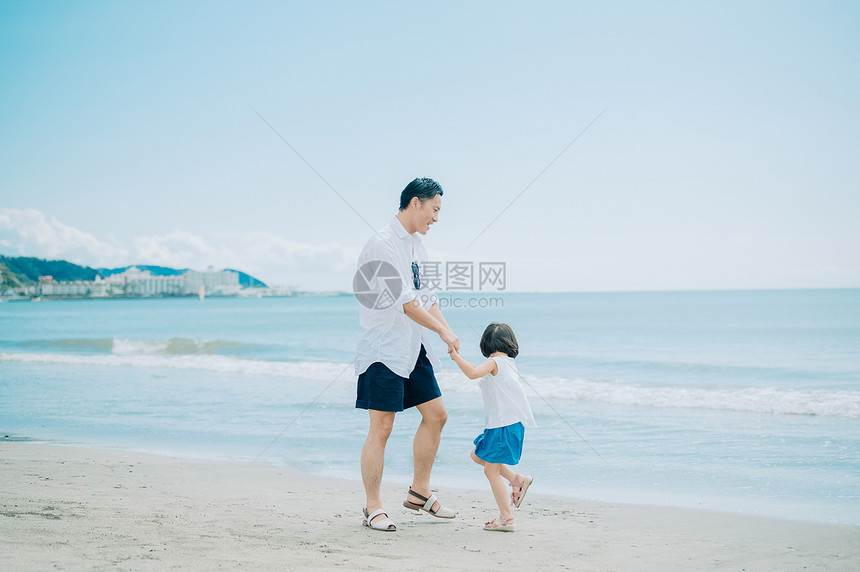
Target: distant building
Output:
[
  {"x": 47, "y": 286},
  {"x": 137, "y": 282},
  {"x": 224, "y": 283},
  {"x": 134, "y": 282}
]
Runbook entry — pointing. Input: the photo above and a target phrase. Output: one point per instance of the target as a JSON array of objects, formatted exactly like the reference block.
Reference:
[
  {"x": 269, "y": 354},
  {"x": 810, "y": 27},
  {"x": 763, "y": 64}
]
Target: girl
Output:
[{"x": 507, "y": 413}]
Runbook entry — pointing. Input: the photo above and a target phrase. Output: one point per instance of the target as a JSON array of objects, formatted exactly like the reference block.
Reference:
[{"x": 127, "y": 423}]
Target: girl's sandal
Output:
[
  {"x": 517, "y": 496},
  {"x": 501, "y": 524}
]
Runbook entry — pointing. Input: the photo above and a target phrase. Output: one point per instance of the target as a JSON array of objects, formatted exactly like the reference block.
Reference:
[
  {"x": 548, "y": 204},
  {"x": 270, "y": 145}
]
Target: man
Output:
[{"x": 394, "y": 361}]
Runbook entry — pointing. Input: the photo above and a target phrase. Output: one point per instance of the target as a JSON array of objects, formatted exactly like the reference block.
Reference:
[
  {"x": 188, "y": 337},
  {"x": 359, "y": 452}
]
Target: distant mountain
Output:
[
  {"x": 9, "y": 278},
  {"x": 27, "y": 270},
  {"x": 246, "y": 280},
  {"x": 17, "y": 271}
]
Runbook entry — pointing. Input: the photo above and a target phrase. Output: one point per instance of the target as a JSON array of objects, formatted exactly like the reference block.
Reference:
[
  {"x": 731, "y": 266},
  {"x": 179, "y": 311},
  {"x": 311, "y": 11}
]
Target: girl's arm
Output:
[{"x": 472, "y": 371}]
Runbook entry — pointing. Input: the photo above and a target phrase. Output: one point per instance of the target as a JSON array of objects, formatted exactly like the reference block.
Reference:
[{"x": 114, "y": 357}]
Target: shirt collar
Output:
[{"x": 398, "y": 227}]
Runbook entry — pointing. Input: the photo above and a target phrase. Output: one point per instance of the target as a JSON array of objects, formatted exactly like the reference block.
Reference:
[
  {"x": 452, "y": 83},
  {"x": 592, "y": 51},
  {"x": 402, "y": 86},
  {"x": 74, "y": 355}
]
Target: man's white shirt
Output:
[{"x": 387, "y": 334}]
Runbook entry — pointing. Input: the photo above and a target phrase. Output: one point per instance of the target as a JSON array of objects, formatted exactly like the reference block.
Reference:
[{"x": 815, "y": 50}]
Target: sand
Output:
[{"x": 71, "y": 508}]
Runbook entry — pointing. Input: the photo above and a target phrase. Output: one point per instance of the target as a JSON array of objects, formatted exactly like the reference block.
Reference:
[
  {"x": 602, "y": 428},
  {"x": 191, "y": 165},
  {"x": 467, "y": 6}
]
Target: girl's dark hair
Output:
[
  {"x": 422, "y": 188},
  {"x": 499, "y": 337}
]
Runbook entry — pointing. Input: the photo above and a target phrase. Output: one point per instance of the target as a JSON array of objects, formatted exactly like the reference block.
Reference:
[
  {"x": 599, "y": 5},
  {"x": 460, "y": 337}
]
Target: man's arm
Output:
[
  {"x": 419, "y": 315},
  {"x": 437, "y": 313}
]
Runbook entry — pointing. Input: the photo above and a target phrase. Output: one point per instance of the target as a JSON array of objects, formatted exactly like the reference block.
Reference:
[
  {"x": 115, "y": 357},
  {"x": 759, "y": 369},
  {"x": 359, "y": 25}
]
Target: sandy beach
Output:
[{"x": 85, "y": 509}]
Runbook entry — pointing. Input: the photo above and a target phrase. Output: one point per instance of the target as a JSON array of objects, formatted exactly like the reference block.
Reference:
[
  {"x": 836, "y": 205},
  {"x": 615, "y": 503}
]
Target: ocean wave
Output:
[
  {"x": 74, "y": 344},
  {"x": 551, "y": 389},
  {"x": 172, "y": 346},
  {"x": 769, "y": 400},
  {"x": 124, "y": 346},
  {"x": 215, "y": 363}
]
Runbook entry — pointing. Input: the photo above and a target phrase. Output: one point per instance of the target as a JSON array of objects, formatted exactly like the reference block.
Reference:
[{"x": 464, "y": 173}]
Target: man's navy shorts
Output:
[{"x": 381, "y": 389}]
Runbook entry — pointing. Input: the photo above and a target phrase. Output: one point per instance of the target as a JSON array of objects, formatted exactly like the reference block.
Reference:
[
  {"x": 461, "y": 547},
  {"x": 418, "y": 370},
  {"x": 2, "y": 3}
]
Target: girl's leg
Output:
[
  {"x": 504, "y": 470},
  {"x": 500, "y": 491},
  {"x": 508, "y": 473}
]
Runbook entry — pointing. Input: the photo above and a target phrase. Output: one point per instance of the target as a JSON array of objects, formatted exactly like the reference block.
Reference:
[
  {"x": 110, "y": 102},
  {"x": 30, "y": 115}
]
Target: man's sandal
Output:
[
  {"x": 518, "y": 496},
  {"x": 383, "y": 524},
  {"x": 427, "y": 507}
]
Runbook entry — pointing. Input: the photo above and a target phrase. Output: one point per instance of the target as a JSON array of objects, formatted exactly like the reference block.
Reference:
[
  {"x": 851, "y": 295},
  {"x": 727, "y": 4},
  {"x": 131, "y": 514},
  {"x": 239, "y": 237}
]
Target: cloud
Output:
[
  {"x": 178, "y": 249},
  {"x": 29, "y": 232},
  {"x": 268, "y": 256},
  {"x": 310, "y": 266},
  {"x": 265, "y": 255}
]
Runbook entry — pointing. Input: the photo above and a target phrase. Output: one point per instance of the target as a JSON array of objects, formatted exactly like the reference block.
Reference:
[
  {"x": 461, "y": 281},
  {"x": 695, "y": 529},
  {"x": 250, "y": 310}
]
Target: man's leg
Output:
[
  {"x": 424, "y": 446},
  {"x": 373, "y": 456}
]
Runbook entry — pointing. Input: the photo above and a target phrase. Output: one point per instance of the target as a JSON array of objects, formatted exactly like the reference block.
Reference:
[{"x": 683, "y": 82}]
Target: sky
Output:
[{"x": 588, "y": 146}]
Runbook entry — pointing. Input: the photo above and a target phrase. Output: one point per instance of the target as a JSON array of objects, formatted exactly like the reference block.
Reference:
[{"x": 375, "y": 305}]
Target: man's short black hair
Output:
[
  {"x": 499, "y": 337},
  {"x": 423, "y": 188}
]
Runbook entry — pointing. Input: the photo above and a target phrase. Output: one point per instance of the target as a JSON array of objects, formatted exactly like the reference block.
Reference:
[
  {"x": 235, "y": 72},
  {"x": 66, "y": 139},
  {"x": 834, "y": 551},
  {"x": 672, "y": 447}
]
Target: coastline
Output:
[{"x": 69, "y": 507}]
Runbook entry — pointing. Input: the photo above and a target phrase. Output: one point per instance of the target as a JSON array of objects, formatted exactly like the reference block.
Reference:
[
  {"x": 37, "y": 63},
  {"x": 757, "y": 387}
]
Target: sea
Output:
[{"x": 737, "y": 401}]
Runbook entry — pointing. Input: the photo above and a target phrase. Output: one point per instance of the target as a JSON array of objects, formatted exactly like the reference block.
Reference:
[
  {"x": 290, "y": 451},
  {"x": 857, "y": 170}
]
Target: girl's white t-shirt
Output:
[{"x": 505, "y": 402}]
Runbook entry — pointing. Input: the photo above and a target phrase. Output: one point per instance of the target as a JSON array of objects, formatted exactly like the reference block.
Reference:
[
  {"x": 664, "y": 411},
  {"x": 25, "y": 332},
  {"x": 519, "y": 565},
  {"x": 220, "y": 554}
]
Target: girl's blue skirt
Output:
[{"x": 501, "y": 445}]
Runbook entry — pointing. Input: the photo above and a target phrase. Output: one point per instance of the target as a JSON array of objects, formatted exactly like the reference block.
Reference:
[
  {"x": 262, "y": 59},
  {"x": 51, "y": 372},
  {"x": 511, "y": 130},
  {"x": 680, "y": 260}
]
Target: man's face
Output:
[{"x": 427, "y": 214}]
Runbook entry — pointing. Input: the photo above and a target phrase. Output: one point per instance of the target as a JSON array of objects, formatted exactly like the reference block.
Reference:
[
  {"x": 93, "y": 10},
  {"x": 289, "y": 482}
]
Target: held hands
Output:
[
  {"x": 452, "y": 341},
  {"x": 454, "y": 354}
]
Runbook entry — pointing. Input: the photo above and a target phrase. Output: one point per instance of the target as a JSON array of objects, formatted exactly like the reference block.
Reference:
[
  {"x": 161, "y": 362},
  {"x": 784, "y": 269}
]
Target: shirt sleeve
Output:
[
  {"x": 378, "y": 264},
  {"x": 428, "y": 295}
]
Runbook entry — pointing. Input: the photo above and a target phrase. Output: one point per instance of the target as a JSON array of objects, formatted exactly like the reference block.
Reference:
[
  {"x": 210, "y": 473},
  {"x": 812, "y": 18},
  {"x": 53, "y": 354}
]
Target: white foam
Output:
[
  {"x": 551, "y": 389},
  {"x": 223, "y": 364},
  {"x": 172, "y": 346},
  {"x": 139, "y": 347},
  {"x": 751, "y": 399}
]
